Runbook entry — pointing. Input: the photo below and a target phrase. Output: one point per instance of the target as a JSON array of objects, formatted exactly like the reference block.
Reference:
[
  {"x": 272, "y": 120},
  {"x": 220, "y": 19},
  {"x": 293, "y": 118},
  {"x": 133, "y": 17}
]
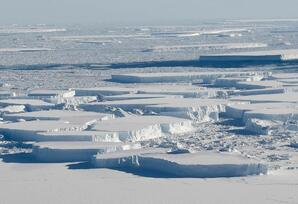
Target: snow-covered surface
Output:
[{"x": 269, "y": 189}]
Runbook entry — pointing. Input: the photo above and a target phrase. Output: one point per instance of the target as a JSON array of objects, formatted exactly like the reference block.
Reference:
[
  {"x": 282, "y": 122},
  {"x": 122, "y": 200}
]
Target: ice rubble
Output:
[
  {"x": 140, "y": 128},
  {"x": 257, "y": 56},
  {"x": 263, "y": 127},
  {"x": 76, "y": 151},
  {"x": 200, "y": 165},
  {"x": 172, "y": 77},
  {"x": 30, "y": 104}
]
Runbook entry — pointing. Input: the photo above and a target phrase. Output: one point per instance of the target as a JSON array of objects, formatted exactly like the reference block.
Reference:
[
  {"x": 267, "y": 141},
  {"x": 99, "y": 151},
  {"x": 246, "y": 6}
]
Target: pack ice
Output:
[{"x": 156, "y": 122}]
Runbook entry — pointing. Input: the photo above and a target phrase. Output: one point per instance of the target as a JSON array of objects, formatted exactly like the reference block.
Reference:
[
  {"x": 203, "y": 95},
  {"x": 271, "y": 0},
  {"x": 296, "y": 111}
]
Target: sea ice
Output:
[
  {"x": 172, "y": 77},
  {"x": 200, "y": 165},
  {"x": 190, "y": 108},
  {"x": 105, "y": 91},
  {"x": 76, "y": 151},
  {"x": 30, "y": 104},
  {"x": 139, "y": 128},
  {"x": 52, "y": 93},
  {"x": 257, "y": 56}
]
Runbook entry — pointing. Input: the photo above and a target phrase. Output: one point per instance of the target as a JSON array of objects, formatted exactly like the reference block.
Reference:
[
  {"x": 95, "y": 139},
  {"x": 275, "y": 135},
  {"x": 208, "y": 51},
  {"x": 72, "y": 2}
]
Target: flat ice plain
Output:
[{"x": 150, "y": 114}]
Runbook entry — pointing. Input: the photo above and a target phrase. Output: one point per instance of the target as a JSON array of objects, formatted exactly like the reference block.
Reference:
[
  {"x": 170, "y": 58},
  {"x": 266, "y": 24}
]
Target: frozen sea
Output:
[{"x": 230, "y": 128}]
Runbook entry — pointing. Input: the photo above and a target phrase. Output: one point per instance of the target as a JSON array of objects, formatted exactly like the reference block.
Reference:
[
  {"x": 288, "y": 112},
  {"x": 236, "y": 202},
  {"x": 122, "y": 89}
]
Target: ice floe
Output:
[
  {"x": 75, "y": 151},
  {"x": 190, "y": 108},
  {"x": 201, "y": 165},
  {"x": 206, "y": 47},
  {"x": 139, "y": 128},
  {"x": 257, "y": 56},
  {"x": 172, "y": 77},
  {"x": 48, "y": 121},
  {"x": 52, "y": 93},
  {"x": 30, "y": 104},
  {"x": 33, "y": 29}
]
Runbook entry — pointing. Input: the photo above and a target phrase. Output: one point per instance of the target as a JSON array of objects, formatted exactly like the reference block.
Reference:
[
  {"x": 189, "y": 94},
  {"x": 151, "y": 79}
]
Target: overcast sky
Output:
[{"x": 140, "y": 11}]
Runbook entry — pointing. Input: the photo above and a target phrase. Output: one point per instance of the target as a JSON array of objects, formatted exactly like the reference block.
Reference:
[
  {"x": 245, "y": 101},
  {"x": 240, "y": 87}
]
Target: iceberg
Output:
[
  {"x": 140, "y": 128},
  {"x": 51, "y": 93},
  {"x": 189, "y": 108},
  {"x": 193, "y": 165},
  {"x": 256, "y": 56},
  {"x": 30, "y": 104},
  {"x": 75, "y": 151},
  {"x": 172, "y": 77}
]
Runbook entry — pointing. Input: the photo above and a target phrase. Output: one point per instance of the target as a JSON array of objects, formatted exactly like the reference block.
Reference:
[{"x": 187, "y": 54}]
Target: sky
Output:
[{"x": 140, "y": 11}]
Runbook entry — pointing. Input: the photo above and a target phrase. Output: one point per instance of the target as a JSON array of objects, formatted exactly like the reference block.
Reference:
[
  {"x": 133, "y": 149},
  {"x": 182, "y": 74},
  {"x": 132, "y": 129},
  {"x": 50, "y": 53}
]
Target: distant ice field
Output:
[{"x": 80, "y": 45}]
